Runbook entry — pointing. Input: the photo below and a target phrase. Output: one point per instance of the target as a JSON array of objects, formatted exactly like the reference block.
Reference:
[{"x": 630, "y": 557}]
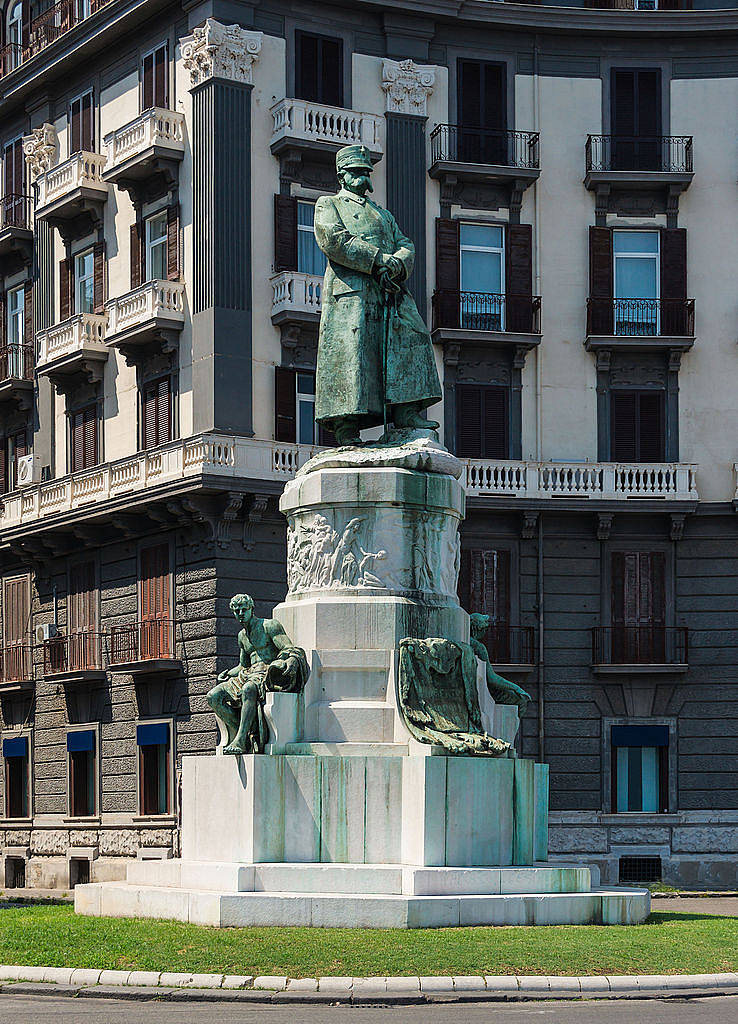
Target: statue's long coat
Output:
[{"x": 352, "y": 231}]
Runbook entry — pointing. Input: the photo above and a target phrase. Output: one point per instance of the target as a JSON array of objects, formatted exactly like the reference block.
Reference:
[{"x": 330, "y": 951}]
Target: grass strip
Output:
[{"x": 669, "y": 943}]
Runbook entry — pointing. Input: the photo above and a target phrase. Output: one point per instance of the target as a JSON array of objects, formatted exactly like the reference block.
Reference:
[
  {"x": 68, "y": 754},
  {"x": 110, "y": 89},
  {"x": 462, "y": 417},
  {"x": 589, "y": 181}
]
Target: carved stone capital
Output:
[
  {"x": 221, "y": 51},
  {"x": 407, "y": 86},
  {"x": 529, "y": 525},
  {"x": 39, "y": 149},
  {"x": 604, "y": 525}
]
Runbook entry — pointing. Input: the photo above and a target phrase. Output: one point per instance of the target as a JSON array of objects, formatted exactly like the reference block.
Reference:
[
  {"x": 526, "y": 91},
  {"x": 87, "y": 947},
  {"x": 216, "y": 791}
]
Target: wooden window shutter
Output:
[
  {"x": 91, "y": 457},
  {"x": 16, "y": 609},
  {"x": 148, "y": 412},
  {"x": 156, "y": 413},
  {"x": 651, "y": 426},
  {"x": 600, "y": 281},
  {"x": 495, "y": 419},
  {"x": 155, "y": 582},
  {"x": 164, "y": 409},
  {"x": 519, "y": 278},
  {"x": 76, "y": 443},
  {"x": 4, "y": 481},
  {"x": 99, "y": 276},
  {"x": 448, "y": 272},
  {"x": 464, "y": 585},
  {"x": 655, "y": 569},
  {"x": 84, "y": 448},
  {"x": 3, "y": 319},
  {"x": 148, "y": 81},
  {"x": 137, "y": 254},
  {"x": 66, "y": 288},
  {"x": 285, "y": 233},
  {"x": 161, "y": 90},
  {"x": 88, "y": 123},
  {"x": 617, "y": 588},
  {"x": 285, "y": 404},
  {"x": 674, "y": 281},
  {"x": 487, "y": 583},
  {"x": 623, "y": 429},
  {"x": 28, "y": 313},
  {"x": 75, "y": 127},
  {"x": 173, "y": 242},
  {"x": 82, "y": 611},
  {"x": 469, "y": 421}
]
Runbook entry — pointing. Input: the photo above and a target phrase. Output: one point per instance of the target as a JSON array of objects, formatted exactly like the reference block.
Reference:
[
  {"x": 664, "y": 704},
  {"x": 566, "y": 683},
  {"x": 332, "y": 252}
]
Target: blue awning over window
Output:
[
  {"x": 80, "y": 740},
  {"x": 640, "y": 735},
  {"x": 152, "y": 734},
  {"x": 15, "y": 747}
]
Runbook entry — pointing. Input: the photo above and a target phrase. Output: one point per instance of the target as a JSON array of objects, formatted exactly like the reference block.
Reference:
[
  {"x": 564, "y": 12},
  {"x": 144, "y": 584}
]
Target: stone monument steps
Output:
[
  {"x": 373, "y": 879},
  {"x": 343, "y": 910},
  {"x": 349, "y": 749},
  {"x": 367, "y": 721}
]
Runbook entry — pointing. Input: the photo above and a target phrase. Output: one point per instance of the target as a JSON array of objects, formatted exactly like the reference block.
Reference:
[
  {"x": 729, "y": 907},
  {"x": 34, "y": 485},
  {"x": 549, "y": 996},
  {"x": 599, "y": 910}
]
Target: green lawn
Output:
[{"x": 669, "y": 943}]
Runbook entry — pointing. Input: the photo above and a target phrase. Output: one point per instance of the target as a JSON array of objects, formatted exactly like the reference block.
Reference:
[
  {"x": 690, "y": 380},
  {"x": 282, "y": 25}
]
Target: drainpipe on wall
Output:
[
  {"x": 537, "y": 261},
  {"x": 541, "y": 674}
]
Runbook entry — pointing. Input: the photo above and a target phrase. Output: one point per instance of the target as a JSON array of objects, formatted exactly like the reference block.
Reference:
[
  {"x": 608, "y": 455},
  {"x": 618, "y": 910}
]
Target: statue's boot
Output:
[
  {"x": 346, "y": 431},
  {"x": 408, "y": 416}
]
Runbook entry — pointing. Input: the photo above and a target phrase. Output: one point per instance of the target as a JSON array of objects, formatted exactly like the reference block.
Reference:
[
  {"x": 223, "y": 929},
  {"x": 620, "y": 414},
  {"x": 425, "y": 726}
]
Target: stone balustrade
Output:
[
  {"x": 155, "y": 127},
  {"x": 209, "y": 454},
  {"x": 80, "y": 333},
  {"x": 295, "y": 296},
  {"x": 154, "y": 300},
  {"x": 81, "y": 170},
  {"x": 606, "y": 481},
  {"x": 314, "y": 122}
]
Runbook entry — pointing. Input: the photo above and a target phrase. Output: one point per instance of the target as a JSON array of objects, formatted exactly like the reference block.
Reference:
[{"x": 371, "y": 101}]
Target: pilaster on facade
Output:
[{"x": 222, "y": 51}]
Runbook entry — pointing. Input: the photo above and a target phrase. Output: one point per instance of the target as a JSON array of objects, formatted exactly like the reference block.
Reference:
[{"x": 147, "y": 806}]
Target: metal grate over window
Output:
[{"x": 640, "y": 869}]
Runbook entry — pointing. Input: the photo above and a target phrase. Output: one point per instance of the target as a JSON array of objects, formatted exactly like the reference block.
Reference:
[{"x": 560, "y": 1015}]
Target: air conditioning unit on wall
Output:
[
  {"x": 46, "y": 632},
  {"x": 28, "y": 470}
]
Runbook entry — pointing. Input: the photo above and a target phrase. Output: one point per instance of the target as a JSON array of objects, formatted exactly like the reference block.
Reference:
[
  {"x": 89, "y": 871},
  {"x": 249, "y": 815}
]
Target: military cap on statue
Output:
[{"x": 353, "y": 156}]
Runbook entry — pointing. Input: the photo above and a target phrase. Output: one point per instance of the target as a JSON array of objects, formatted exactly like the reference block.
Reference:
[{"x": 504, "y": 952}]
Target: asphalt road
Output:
[{"x": 47, "y": 1010}]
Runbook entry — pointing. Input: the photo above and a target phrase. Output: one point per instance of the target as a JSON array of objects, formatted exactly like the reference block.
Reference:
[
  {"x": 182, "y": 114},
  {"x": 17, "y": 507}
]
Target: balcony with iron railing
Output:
[
  {"x": 142, "y": 647},
  {"x": 72, "y": 188},
  {"x": 640, "y": 323},
  {"x": 152, "y": 314},
  {"x": 640, "y": 648},
  {"x": 73, "y": 346},
  {"x": 150, "y": 146},
  {"x": 464, "y": 311},
  {"x": 16, "y": 666},
  {"x": 512, "y": 646},
  {"x": 44, "y": 30},
  {"x": 296, "y": 297},
  {"x": 304, "y": 125},
  {"x": 639, "y": 162},
  {"x": 16, "y": 231},
  {"x": 464, "y": 153},
  {"x": 16, "y": 375},
  {"x": 77, "y": 656}
]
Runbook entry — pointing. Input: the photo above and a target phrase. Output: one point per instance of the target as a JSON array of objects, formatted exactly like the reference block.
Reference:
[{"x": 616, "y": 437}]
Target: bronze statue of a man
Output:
[
  {"x": 375, "y": 357},
  {"x": 267, "y": 660}
]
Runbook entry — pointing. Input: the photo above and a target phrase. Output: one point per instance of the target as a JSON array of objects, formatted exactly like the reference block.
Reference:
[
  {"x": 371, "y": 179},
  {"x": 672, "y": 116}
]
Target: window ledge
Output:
[
  {"x": 16, "y": 823},
  {"x": 154, "y": 819},
  {"x": 96, "y": 820},
  {"x": 636, "y": 670},
  {"x": 641, "y": 818}
]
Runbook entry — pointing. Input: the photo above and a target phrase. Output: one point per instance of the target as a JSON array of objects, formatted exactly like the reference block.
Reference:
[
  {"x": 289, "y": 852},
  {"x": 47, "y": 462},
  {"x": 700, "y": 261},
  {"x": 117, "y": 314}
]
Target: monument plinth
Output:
[{"x": 367, "y": 777}]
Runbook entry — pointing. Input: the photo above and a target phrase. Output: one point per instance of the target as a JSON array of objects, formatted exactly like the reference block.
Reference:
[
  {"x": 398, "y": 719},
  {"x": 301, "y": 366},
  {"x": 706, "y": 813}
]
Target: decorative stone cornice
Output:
[
  {"x": 221, "y": 51},
  {"x": 407, "y": 86},
  {"x": 39, "y": 149}
]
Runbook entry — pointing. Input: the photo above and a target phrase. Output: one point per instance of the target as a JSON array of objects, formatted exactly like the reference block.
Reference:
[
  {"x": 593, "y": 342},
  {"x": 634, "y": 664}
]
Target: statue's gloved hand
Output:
[{"x": 391, "y": 264}]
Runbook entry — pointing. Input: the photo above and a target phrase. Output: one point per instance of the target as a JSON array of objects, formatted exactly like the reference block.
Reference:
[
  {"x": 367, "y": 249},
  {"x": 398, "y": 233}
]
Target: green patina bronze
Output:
[
  {"x": 375, "y": 357},
  {"x": 501, "y": 690},
  {"x": 438, "y": 697},
  {"x": 268, "y": 661}
]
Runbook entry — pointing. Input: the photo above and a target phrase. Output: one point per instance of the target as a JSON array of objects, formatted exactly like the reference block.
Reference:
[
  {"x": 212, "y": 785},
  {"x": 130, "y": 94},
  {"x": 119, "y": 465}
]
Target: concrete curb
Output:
[{"x": 83, "y": 982}]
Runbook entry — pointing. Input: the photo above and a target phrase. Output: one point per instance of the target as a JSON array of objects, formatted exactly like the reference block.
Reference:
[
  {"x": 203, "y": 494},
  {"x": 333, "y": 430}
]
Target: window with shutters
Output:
[
  {"x": 84, "y": 281},
  {"x": 484, "y": 586},
  {"x": 482, "y": 112},
  {"x": 82, "y": 124},
  {"x": 14, "y": 207},
  {"x": 156, "y": 412},
  {"x": 310, "y": 257},
  {"x": 12, "y": 448},
  {"x": 319, "y": 69},
  {"x": 637, "y": 426},
  {"x": 635, "y": 119},
  {"x": 15, "y": 665},
  {"x": 640, "y": 768},
  {"x": 482, "y": 421},
  {"x": 82, "y": 772},
  {"x": 638, "y": 607},
  {"x": 636, "y": 284},
  {"x": 84, "y": 446},
  {"x": 17, "y": 763},
  {"x": 155, "y": 78},
  {"x": 154, "y": 741},
  {"x": 155, "y": 600},
  {"x": 16, "y": 310},
  {"x": 14, "y": 35},
  {"x": 156, "y": 246},
  {"x": 83, "y": 649},
  {"x": 482, "y": 274}
]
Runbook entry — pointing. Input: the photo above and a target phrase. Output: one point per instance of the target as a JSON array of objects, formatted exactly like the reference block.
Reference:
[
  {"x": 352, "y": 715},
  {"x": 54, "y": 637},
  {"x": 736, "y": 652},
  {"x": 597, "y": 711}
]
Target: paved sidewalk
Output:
[
  {"x": 146, "y": 985},
  {"x": 713, "y": 905}
]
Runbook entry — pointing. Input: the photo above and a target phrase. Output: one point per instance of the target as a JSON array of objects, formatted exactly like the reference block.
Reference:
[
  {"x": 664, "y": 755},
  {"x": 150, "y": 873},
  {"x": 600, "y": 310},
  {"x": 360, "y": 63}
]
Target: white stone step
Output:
[
  {"x": 350, "y": 910},
  {"x": 362, "y": 721}
]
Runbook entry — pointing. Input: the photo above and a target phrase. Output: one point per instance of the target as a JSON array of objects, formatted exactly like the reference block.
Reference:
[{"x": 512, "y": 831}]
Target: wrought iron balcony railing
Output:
[
  {"x": 80, "y": 651},
  {"x": 510, "y": 645},
  {"x": 16, "y": 362},
  {"x": 151, "y": 640},
  {"x": 640, "y": 645},
  {"x": 638, "y": 318},
  {"x": 16, "y": 663},
  {"x": 463, "y": 144},
  {"x": 16, "y": 211},
  {"x": 672, "y": 153},
  {"x": 486, "y": 311}
]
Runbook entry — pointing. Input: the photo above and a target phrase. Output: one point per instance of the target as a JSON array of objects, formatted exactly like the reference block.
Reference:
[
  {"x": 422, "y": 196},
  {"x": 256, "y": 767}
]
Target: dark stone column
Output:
[
  {"x": 406, "y": 182},
  {"x": 221, "y": 303}
]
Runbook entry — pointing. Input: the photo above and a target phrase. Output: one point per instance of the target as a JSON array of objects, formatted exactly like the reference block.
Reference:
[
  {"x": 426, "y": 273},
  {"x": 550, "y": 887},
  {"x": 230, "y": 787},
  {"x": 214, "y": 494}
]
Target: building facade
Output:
[{"x": 569, "y": 176}]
